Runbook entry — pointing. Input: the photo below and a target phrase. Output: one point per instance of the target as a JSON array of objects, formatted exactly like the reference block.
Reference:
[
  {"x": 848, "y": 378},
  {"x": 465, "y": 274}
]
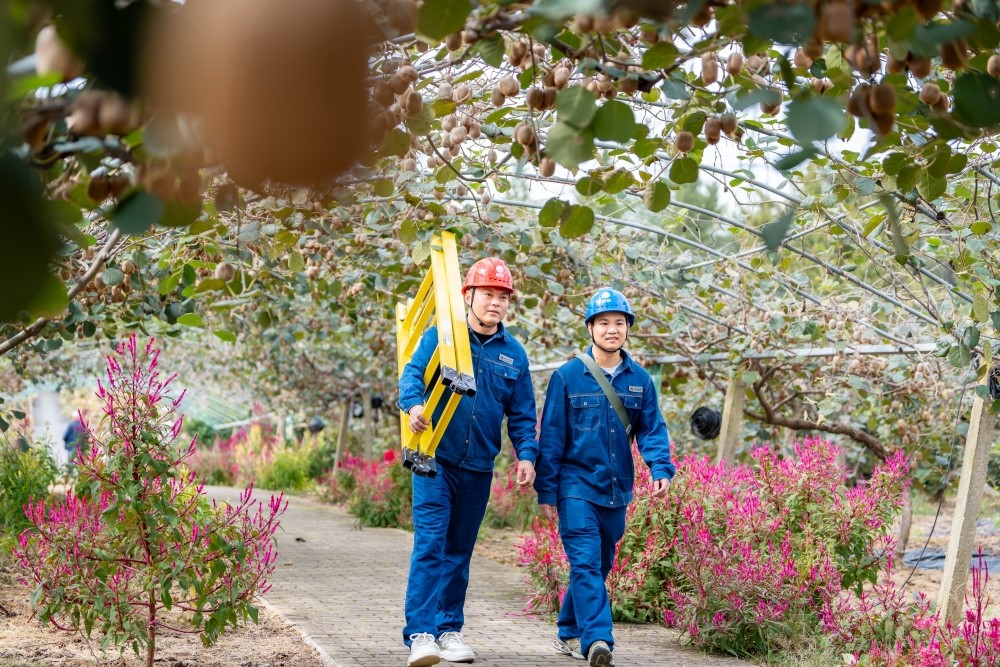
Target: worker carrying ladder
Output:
[{"x": 438, "y": 301}]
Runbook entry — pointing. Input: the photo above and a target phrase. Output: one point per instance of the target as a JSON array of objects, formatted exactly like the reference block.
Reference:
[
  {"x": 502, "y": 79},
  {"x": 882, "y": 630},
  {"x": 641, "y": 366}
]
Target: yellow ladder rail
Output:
[{"x": 438, "y": 301}]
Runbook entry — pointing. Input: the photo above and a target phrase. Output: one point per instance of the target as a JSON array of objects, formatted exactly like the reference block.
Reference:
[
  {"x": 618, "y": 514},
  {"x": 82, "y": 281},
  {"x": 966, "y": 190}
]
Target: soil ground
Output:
[{"x": 26, "y": 643}]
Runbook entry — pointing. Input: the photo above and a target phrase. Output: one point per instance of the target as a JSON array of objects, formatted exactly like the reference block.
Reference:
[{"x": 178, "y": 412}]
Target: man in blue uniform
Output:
[
  {"x": 585, "y": 468},
  {"x": 448, "y": 508}
]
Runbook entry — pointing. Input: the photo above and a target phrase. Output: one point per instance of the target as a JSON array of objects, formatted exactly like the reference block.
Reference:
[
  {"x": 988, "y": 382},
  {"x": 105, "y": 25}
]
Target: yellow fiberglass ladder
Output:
[{"x": 438, "y": 301}]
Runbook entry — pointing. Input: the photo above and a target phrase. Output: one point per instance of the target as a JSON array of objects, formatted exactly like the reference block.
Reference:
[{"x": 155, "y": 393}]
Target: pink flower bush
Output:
[
  {"x": 377, "y": 492},
  {"x": 741, "y": 559},
  {"x": 138, "y": 537}
]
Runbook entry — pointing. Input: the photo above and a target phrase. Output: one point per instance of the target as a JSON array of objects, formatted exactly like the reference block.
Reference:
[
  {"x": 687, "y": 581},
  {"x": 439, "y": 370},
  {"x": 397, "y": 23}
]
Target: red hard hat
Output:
[{"x": 489, "y": 272}]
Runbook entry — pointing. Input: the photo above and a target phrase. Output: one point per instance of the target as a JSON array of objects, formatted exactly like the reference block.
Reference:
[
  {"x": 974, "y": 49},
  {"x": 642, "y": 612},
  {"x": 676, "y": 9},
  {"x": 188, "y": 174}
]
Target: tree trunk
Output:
[
  {"x": 369, "y": 432},
  {"x": 345, "y": 415},
  {"x": 905, "y": 523},
  {"x": 151, "y": 627}
]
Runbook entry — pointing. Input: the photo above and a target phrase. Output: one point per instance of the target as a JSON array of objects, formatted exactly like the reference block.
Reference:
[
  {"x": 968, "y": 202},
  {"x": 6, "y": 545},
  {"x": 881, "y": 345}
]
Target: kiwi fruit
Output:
[
  {"x": 713, "y": 131},
  {"x": 734, "y": 64},
  {"x": 684, "y": 141},
  {"x": 930, "y": 93}
]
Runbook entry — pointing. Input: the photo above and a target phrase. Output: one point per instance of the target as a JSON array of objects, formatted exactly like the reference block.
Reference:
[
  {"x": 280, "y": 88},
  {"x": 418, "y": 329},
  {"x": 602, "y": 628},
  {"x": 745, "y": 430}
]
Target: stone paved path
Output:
[{"x": 342, "y": 587}]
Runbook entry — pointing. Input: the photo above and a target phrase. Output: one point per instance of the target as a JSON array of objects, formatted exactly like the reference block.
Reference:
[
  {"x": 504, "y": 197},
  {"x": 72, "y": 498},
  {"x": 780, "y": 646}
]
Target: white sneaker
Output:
[
  {"x": 570, "y": 647},
  {"x": 423, "y": 650},
  {"x": 454, "y": 648}
]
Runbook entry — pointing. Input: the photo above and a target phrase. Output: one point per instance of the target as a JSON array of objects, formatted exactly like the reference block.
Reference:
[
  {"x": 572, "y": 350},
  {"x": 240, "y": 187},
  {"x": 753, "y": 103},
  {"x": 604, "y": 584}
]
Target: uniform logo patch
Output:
[
  {"x": 637, "y": 390},
  {"x": 504, "y": 358}
]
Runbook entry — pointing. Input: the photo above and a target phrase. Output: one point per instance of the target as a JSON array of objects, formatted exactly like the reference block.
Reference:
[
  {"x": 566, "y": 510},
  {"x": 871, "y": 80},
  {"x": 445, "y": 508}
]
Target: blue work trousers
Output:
[
  {"x": 447, "y": 512},
  {"x": 590, "y": 535}
]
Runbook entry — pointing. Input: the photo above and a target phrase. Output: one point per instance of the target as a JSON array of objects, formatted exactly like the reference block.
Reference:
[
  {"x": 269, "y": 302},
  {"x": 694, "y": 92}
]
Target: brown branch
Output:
[
  {"x": 873, "y": 444},
  {"x": 39, "y": 324}
]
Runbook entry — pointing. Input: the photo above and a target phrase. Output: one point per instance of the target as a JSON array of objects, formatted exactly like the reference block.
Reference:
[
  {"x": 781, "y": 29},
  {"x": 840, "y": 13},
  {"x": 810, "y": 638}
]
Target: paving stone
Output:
[{"x": 343, "y": 588}]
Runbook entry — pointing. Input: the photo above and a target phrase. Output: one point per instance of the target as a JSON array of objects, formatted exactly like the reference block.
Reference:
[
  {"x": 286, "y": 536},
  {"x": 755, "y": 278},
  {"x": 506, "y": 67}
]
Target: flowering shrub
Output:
[
  {"x": 377, "y": 492},
  {"x": 742, "y": 559},
  {"x": 510, "y": 505},
  {"x": 288, "y": 470},
  {"x": 882, "y": 627},
  {"x": 541, "y": 553},
  {"x": 139, "y": 538},
  {"x": 215, "y": 464}
]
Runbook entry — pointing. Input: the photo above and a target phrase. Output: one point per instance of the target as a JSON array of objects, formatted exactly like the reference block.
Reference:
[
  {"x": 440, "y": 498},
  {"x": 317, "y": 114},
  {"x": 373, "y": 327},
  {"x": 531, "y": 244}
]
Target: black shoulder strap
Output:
[{"x": 616, "y": 401}]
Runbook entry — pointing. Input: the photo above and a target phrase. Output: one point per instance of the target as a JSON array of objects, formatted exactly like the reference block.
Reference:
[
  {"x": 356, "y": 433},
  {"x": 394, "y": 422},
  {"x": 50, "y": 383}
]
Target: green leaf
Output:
[
  {"x": 977, "y": 99},
  {"x": 980, "y": 308},
  {"x": 614, "y": 121},
  {"x": 421, "y": 122},
  {"x": 227, "y": 336},
  {"x": 774, "y": 232},
  {"x": 51, "y": 299},
  {"x": 656, "y": 196},
  {"x": 576, "y": 106},
  {"x": 112, "y": 277},
  {"x": 684, "y": 170},
  {"x": 491, "y": 50},
  {"x": 959, "y": 355},
  {"x": 558, "y": 10},
  {"x": 569, "y": 146},
  {"x": 439, "y": 18},
  {"x": 970, "y": 337},
  {"x": 383, "y": 187},
  {"x": 930, "y": 186},
  {"x": 893, "y": 162},
  {"x": 588, "y": 187},
  {"x": 814, "y": 119},
  {"x": 551, "y": 213},
  {"x": 296, "y": 262},
  {"x": 780, "y": 22},
  {"x": 578, "y": 221},
  {"x": 662, "y": 54},
  {"x": 191, "y": 320},
  {"x": 675, "y": 88},
  {"x": 618, "y": 181},
  {"x": 792, "y": 160},
  {"x": 139, "y": 211},
  {"x": 981, "y": 227},
  {"x": 169, "y": 283}
]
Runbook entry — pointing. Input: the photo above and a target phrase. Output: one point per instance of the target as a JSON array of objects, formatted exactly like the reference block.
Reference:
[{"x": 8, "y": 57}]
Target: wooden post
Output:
[
  {"x": 978, "y": 446},
  {"x": 366, "y": 421},
  {"x": 732, "y": 419},
  {"x": 345, "y": 415}
]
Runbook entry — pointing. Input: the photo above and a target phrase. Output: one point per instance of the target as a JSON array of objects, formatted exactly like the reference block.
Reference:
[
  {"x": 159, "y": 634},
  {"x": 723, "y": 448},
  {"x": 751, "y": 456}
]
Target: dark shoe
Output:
[{"x": 599, "y": 655}]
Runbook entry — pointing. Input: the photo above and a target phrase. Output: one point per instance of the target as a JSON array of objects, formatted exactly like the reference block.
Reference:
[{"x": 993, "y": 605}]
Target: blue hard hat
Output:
[{"x": 607, "y": 300}]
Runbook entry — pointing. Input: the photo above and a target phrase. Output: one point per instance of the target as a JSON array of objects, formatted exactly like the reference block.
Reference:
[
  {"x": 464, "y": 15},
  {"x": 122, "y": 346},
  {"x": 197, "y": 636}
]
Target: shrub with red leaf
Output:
[{"x": 139, "y": 537}]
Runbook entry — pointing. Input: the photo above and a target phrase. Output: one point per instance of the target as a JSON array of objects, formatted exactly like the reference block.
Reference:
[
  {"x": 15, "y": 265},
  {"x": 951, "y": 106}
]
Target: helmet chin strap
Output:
[{"x": 472, "y": 309}]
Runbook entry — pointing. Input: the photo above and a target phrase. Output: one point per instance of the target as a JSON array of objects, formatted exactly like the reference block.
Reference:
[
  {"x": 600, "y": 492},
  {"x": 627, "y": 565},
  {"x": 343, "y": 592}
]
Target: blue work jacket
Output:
[
  {"x": 583, "y": 450},
  {"x": 503, "y": 387}
]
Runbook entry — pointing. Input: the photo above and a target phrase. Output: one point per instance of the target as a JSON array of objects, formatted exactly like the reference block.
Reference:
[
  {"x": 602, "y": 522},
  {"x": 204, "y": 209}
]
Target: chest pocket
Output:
[
  {"x": 502, "y": 381},
  {"x": 585, "y": 412},
  {"x": 633, "y": 406}
]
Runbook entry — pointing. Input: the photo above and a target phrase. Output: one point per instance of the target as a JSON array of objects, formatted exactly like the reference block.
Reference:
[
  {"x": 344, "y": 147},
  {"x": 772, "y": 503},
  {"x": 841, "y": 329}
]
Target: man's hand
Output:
[
  {"x": 525, "y": 473},
  {"x": 418, "y": 423},
  {"x": 660, "y": 488},
  {"x": 548, "y": 512}
]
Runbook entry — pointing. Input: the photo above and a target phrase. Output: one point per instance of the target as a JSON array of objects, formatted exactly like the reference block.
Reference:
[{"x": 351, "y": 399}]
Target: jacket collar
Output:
[
  {"x": 626, "y": 360},
  {"x": 501, "y": 332}
]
